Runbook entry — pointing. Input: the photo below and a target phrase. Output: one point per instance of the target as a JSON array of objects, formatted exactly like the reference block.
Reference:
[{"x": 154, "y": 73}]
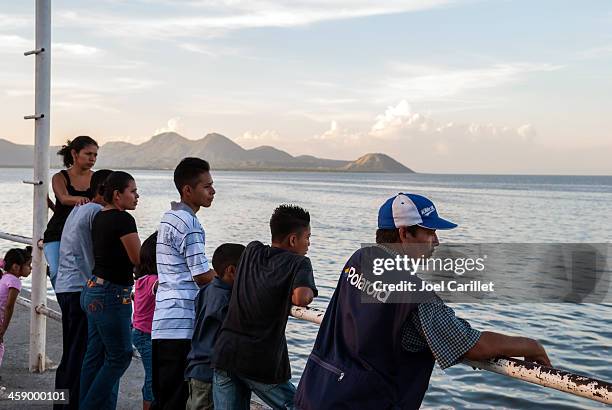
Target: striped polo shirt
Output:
[{"x": 180, "y": 257}]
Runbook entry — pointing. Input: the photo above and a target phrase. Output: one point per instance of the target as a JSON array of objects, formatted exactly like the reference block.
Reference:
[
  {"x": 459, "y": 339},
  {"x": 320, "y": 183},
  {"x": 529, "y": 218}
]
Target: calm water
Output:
[{"x": 343, "y": 209}]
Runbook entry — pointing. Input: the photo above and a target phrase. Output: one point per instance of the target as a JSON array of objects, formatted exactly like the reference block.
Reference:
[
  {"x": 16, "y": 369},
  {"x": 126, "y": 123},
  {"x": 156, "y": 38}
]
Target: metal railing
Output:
[{"x": 561, "y": 380}]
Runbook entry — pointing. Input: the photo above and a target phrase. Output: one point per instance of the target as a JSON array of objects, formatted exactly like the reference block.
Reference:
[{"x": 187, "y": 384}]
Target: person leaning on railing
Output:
[{"x": 380, "y": 355}]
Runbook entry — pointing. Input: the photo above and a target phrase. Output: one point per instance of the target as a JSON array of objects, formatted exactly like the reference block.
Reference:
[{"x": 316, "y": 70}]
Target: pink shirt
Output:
[
  {"x": 144, "y": 303},
  {"x": 6, "y": 282}
]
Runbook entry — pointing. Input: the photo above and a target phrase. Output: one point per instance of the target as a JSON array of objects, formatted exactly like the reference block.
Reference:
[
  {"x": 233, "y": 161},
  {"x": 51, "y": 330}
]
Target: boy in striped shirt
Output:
[{"x": 182, "y": 268}]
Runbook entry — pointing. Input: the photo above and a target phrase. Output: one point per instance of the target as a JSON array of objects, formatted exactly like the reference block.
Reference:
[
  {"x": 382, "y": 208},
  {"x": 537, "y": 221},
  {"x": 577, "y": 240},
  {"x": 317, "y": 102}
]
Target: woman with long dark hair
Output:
[
  {"x": 107, "y": 297},
  {"x": 71, "y": 187}
]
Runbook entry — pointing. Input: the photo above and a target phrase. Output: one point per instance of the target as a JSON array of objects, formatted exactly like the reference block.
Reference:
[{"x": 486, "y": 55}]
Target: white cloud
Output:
[
  {"x": 216, "y": 17},
  {"x": 438, "y": 82},
  {"x": 197, "y": 48},
  {"x": 11, "y": 43},
  {"x": 596, "y": 52},
  {"x": 74, "y": 50},
  {"x": 251, "y": 139},
  {"x": 400, "y": 130},
  {"x": 173, "y": 125},
  {"x": 13, "y": 21},
  {"x": 396, "y": 118},
  {"x": 526, "y": 131}
]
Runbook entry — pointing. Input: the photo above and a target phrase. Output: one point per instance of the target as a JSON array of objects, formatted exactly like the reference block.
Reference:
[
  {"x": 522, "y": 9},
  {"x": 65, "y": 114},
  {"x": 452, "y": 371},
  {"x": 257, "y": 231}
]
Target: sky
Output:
[{"x": 443, "y": 86}]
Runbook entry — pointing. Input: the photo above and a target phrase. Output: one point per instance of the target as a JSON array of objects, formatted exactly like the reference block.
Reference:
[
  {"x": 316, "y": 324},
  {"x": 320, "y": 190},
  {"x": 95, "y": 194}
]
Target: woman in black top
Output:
[
  {"x": 107, "y": 298},
  {"x": 71, "y": 187}
]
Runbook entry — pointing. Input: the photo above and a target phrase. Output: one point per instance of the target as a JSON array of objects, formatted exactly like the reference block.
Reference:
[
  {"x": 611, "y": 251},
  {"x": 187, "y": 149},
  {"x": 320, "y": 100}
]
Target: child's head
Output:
[
  {"x": 290, "y": 228},
  {"x": 225, "y": 260},
  {"x": 96, "y": 185},
  {"x": 148, "y": 261},
  {"x": 18, "y": 261}
]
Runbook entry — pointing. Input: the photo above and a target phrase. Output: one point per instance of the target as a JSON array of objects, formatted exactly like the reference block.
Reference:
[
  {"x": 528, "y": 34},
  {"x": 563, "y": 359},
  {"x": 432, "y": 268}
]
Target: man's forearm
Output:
[{"x": 493, "y": 344}]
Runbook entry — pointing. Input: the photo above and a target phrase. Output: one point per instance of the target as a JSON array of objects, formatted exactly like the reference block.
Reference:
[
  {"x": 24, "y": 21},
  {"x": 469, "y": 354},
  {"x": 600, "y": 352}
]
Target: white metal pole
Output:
[{"x": 38, "y": 322}]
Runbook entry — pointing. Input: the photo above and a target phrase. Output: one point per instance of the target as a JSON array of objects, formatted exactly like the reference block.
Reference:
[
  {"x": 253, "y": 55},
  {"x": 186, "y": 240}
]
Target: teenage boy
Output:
[
  {"x": 182, "y": 267},
  {"x": 76, "y": 263},
  {"x": 380, "y": 355},
  {"x": 211, "y": 307},
  {"x": 251, "y": 350}
]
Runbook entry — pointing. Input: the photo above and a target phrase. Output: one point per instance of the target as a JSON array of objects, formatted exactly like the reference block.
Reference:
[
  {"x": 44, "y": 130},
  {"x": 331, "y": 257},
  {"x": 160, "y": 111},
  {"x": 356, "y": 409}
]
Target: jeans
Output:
[
  {"x": 74, "y": 342},
  {"x": 232, "y": 392},
  {"x": 109, "y": 343},
  {"x": 52, "y": 250},
  {"x": 142, "y": 341}
]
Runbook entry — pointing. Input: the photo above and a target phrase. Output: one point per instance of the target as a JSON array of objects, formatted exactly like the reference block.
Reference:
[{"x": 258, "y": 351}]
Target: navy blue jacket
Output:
[
  {"x": 211, "y": 304},
  {"x": 357, "y": 361}
]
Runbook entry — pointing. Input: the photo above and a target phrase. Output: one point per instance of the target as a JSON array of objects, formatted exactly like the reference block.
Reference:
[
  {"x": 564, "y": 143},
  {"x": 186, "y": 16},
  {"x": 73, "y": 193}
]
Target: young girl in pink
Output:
[
  {"x": 17, "y": 265},
  {"x": 144, "y": 305}
]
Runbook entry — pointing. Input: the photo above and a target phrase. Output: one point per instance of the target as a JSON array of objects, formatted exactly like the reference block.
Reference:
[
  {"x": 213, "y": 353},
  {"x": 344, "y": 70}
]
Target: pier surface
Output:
[{"x": 16, "y": 377}]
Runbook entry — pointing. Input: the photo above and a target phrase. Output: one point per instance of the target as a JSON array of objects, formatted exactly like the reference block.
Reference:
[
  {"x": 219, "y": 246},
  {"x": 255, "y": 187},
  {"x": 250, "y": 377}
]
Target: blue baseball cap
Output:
[{"x": 410, "y": 209}]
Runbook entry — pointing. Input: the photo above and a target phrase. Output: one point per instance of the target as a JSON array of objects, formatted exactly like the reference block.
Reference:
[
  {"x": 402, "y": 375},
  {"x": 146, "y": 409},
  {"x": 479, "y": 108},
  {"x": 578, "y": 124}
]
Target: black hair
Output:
[
  {"x": 76, "y": 144},
  {"x": 226, "y": 255},
  {"x": 96, "y": 185},
  {"x": 188, "y": 171},
  {"x": 392, "y": 235},
  {"x": 116, "y": 181},
  {"x": 19, "y": 256},
  {"x": 148, "y": 260},
  {"x": 288, "y": 219}
]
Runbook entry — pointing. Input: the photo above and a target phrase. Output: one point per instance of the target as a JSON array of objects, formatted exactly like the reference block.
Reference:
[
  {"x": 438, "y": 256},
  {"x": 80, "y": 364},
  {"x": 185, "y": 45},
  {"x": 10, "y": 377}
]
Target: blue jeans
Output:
[
  {"x": 142, "y": 341},
  {"x": 109, "y": 343},
  {"x": 232, "y": 392},
  {"x": 52, "y": 250}
]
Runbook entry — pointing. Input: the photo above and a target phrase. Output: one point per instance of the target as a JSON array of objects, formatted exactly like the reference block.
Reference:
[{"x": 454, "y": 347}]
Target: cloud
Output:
[
  {"x": 214, "y": 18},
  {"x": 173, "y": 125},
  {"x": 422, "y": 82},
  {"x": 13, "y": 21},
  {"x": 429, "y": 144},
  {"x": 197, "y": 48},
  {"x": 11, "y": 44},
  {"x": 74, "y": 50},
  {"x": 397, "y": 118},
  {"x": 597, "y": 52}
]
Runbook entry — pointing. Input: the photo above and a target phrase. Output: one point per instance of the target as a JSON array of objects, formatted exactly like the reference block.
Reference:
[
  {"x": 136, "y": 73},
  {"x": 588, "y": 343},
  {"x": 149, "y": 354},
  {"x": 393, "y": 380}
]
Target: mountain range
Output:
[{"x": 163, "y": 151}]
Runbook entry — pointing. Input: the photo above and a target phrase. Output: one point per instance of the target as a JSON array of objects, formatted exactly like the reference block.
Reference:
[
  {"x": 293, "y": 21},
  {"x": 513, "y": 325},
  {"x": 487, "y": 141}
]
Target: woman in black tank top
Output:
[{"x": 71, "y": 187}]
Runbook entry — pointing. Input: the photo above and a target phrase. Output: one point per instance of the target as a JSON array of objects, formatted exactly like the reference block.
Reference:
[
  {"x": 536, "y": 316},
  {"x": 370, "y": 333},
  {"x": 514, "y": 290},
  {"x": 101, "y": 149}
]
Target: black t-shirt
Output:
[
  {"x": 53, "y": 233},
  {"x": 111, "y": 259},
  {"x": 252, "y": 339}
]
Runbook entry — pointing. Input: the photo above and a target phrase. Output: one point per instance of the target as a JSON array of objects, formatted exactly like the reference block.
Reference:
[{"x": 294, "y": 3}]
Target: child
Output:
[
  {"x": 211, "y": 306},
  {"x": 17, "y": 264},
  {"x": 144, "y": 305},
  {"x": 251, "y": 350}
]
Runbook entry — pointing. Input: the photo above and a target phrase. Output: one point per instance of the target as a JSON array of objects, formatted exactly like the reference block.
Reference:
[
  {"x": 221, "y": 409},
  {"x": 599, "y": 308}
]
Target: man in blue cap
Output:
[{"x": 375, "y": 355}]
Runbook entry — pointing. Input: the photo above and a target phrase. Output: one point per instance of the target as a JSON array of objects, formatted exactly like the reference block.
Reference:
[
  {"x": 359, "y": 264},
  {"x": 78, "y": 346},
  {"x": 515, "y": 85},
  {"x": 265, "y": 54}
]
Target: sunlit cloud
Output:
[
  {"x": 173, "y": 125},
  {"x": 217, "y": 17},
  {"x": 428, "y": 82}
]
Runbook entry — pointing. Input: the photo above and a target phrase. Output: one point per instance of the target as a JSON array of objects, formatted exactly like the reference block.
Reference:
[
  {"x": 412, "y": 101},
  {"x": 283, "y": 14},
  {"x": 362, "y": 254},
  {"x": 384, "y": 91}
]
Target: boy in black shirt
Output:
[
  {"x": 251, "y": 351},
  {"x": 211, "y": 306}
]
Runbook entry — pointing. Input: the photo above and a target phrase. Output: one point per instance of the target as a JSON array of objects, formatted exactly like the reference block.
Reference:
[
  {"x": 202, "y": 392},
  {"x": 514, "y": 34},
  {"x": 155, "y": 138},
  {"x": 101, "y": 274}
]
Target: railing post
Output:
[{"x": 38, "y": 322}]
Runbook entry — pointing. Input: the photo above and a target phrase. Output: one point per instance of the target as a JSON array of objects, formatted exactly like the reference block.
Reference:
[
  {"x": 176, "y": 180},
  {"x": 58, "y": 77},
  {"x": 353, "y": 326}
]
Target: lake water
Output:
[{"x": 343, "y": 208}]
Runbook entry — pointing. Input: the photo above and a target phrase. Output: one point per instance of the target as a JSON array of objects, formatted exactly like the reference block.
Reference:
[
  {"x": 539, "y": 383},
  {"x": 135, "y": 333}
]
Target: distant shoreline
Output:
[
  {"x": 340, "y": 171},
  {"x": 322, "y": 171}
]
